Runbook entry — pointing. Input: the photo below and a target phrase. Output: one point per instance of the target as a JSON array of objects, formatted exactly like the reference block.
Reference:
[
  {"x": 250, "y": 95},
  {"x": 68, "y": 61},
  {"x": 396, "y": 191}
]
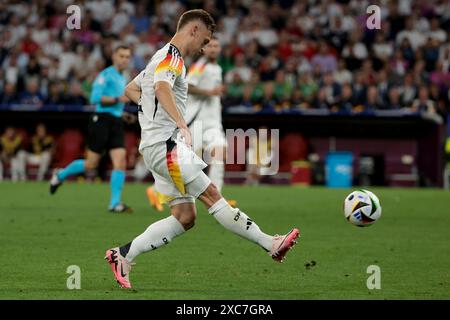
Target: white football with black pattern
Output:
[{"x": 362, "y": 208}]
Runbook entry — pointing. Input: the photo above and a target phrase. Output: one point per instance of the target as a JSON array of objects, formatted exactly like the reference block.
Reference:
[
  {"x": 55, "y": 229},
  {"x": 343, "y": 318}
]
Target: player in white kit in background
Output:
[{"x": 161, "y": 92}]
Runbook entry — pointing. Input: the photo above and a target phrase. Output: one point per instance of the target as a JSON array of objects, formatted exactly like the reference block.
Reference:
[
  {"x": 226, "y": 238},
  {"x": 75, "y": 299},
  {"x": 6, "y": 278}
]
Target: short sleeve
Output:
[
  {"x": 97, "y": 88},
  {"x": 169, "y": 68},
  {"x": 138, "y": 79}
]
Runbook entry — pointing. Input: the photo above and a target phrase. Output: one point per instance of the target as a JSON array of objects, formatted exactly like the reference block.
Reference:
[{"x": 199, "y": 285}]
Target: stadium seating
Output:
[{"x": 69, "y": 146}]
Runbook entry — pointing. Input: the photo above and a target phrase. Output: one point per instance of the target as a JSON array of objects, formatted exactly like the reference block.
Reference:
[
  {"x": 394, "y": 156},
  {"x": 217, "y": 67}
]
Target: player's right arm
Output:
[
  {"x": 167, "y": 70},
  {"x": 133, "y": 92},
  {"x": 165, "y": 96}
]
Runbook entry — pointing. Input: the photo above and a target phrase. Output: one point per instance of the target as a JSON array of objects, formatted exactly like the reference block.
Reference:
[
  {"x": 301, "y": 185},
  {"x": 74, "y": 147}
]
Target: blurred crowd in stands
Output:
[{"x": 277, "y": 55}]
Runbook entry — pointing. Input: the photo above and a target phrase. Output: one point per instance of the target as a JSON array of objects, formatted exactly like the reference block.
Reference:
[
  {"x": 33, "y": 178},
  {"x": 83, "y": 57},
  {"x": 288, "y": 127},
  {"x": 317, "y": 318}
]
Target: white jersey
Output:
[
  {"x": 208, "y": 110},
  {"x": 156, "y": 124}
]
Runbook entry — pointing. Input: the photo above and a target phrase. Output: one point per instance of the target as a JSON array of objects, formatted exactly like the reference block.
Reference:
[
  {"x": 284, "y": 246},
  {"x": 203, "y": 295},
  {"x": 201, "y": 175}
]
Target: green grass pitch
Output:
[{"x": 41, "y": 235}]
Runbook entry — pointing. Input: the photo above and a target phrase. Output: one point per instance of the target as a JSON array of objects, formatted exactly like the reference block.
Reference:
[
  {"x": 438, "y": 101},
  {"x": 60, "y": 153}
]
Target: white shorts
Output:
[{"x": 177, "y": 170}]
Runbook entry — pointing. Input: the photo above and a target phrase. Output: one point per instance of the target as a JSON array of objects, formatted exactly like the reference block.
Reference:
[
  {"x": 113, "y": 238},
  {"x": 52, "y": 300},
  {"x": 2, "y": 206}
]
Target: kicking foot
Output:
[
  {"x": 55, "y": 182},
  {"x": 153, "y": 199},
  {"x": 282, "y": 244},
  {"x": 120, "y": 266},
  {"x": 121, "y": 208}
]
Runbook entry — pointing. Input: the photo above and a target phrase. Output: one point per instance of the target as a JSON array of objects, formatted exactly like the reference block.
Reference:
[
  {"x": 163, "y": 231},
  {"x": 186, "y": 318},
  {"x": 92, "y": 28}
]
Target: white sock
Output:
[
  {"x": 216, "y": 172},
  {"x": 239, "y": 223},
  {"x": 157, "y": 234}
]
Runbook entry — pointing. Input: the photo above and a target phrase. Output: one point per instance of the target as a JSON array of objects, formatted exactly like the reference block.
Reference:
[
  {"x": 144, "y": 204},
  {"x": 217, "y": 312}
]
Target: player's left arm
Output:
[{"x": 217, "y": 91}]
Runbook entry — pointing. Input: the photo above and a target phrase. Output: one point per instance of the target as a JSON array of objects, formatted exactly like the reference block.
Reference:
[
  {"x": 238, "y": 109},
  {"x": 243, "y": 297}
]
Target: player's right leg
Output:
[
  {"x": 75, "y": 167},
  {"x": 158, "y": 234},
  {"x": 162, "y": 160}
]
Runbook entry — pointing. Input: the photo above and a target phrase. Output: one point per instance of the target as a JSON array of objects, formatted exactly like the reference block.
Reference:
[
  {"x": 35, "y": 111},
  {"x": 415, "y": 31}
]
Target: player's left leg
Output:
[
  {"x": 118, "y": 158},
  {"x": 239, "y": 223}
]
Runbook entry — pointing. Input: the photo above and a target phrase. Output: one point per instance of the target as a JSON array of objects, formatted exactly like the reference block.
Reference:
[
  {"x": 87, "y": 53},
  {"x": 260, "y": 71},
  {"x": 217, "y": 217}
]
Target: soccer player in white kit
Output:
[
  {"x": 161, "y": 92},
  {"x": 204, "y": 111},
  {"x": 204, "y": 116}
]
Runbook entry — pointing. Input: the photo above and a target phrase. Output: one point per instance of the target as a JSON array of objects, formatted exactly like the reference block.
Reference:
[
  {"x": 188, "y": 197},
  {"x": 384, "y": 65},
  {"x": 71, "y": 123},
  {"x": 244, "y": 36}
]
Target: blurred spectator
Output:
[
  {"x": 29, "y": 46},
  {"x": 31, "y": 95},
  {"x": 55, "y": 95},
  {"x": 342, "y": 74},
  {"x": 11, "y": 146},
  {"x": 308, "y": 88},
  {"x": 324, "y": 59},
  {"x": 75, "y": 94},
  {"x": 169, "y": 10},
  {"x": 382, "y": 84},
  {"x": 444, "y": 58},
  {"x": 399, "y": 64},
  {"x": 359, "y": 88},
  {"x": 235, "y": 91},
  {"x": 355, "y": 51},
  {"x": 423, "y": 103},
  {"x": 42, "y": 146},
  {"x": 382, "y": 49},
  {"x": 436, "y": 32},
  {"x": 306, "y": 40},
  {"x": 408, "y": 90},
  {"x": 415, "y": 37},
  {"x": 321, "y": 100},
  {"x": 431, "y": 54},
  {"x": 345, "y": 104},
  {"x": 394, "y": 99},
  {"x": 407, "y": 50},
  {"x": 268, "y": 67},
  {"x": 239, "y": 68},
  {"x": 8, "y": 94},
  {"x": 254, "y": 91},
  {"x": 372, "y": 102},
  {"x": 331, "y": 88},
  {"x": 282, "y": 88}
]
